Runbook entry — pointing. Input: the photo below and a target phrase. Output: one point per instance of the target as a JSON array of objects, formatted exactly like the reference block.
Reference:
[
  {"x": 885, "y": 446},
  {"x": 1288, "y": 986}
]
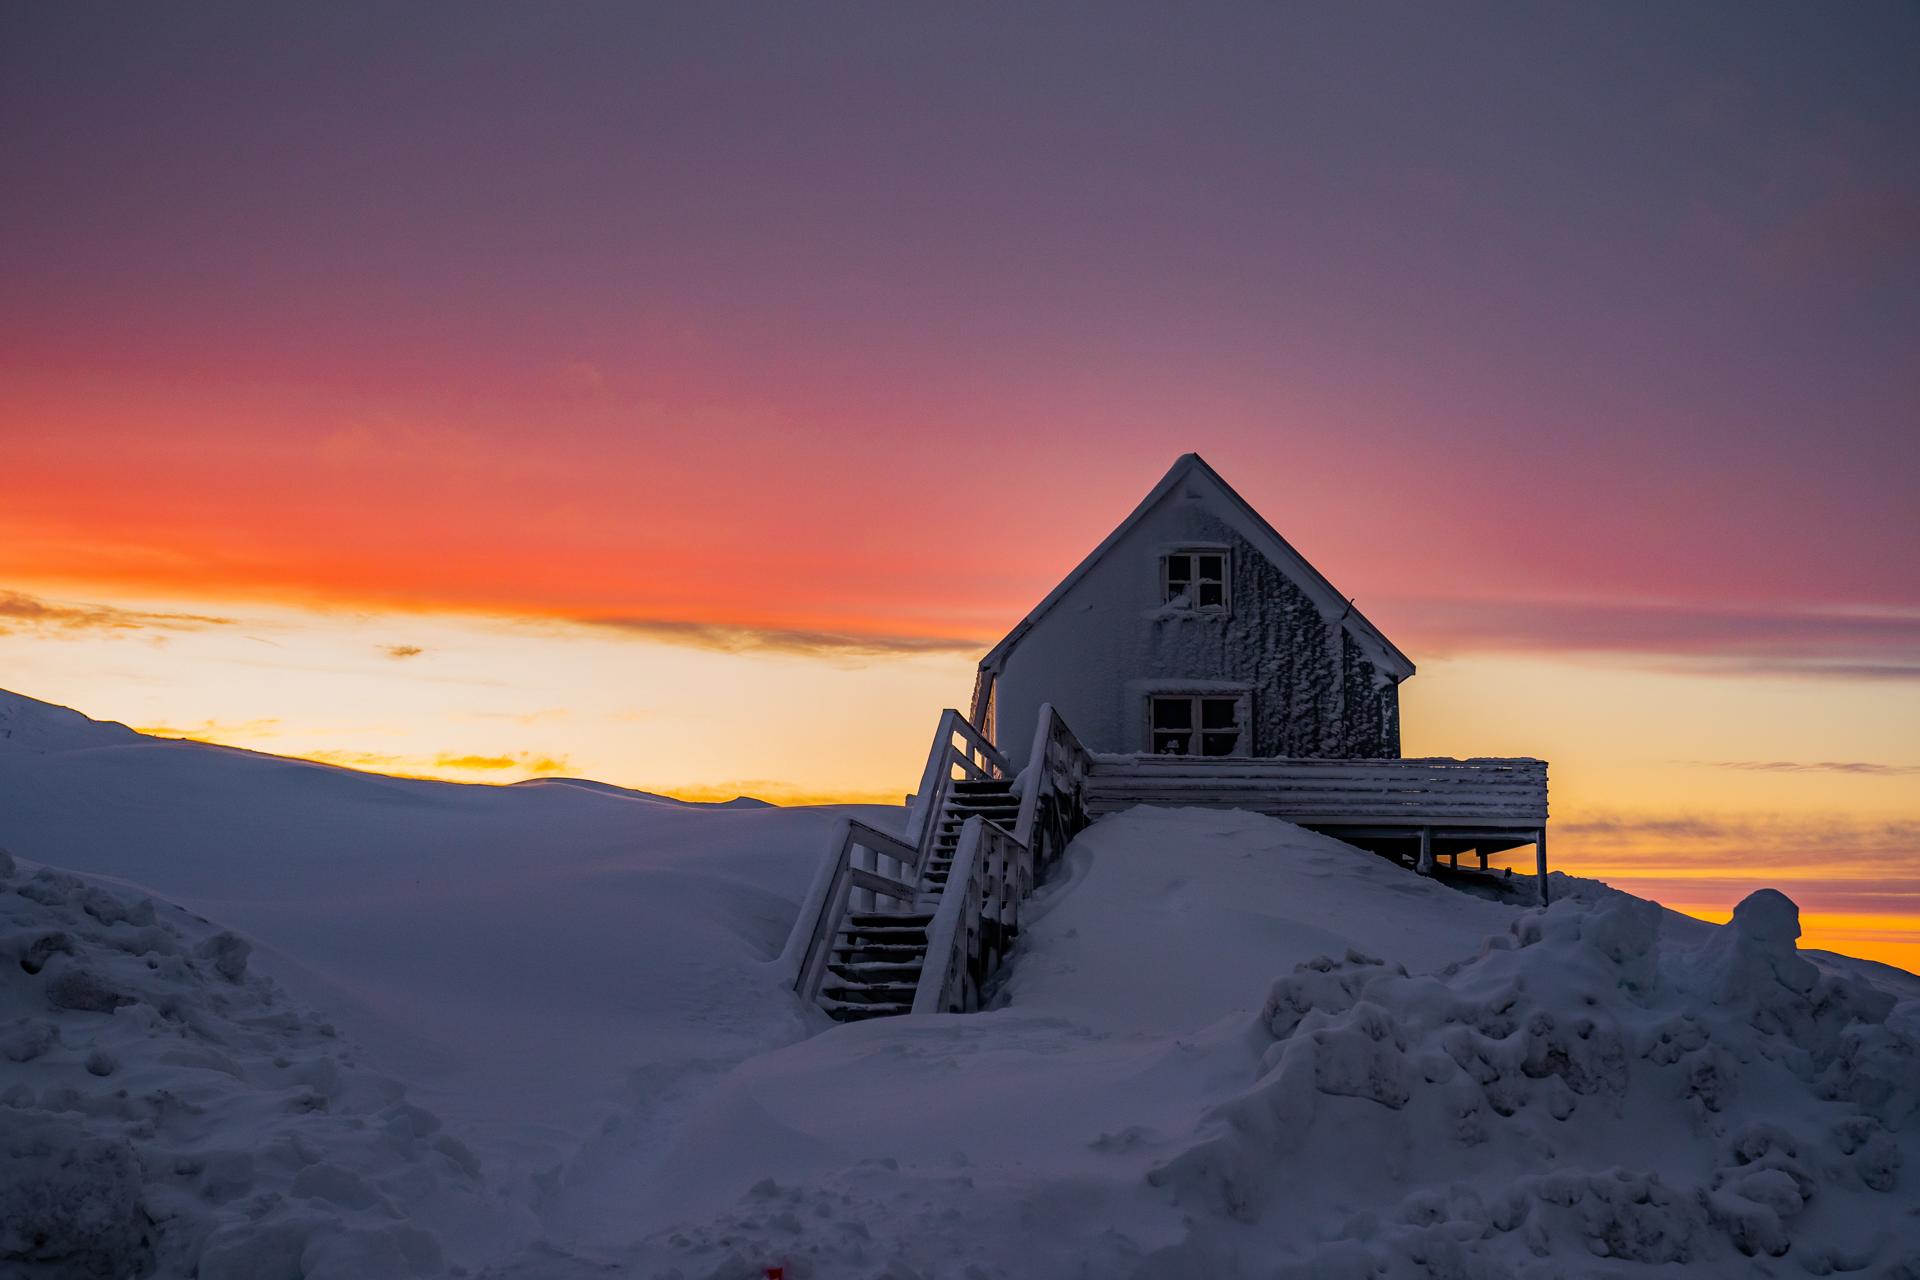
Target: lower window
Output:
[{"x": 1195, "y": 724}]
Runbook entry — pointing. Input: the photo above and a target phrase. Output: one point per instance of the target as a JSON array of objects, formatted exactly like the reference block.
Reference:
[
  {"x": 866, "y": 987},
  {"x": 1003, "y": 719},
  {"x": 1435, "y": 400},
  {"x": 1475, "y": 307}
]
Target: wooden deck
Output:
[{"x": 1420, "y": 810}]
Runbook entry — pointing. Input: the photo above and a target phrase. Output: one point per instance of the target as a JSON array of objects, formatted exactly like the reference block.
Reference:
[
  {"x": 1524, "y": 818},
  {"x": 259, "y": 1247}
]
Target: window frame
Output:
[
  {"x": 1241, "y": 701},
  {"x": 1194, "y": 580}
]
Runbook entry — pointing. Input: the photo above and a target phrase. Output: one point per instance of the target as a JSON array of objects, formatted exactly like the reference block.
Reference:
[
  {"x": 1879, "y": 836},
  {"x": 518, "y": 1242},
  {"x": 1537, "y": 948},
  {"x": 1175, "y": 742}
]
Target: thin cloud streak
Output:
[
  {"x": 1831, "y": 847},
  {"x": 216, "y": 732},
  {"x": 19, "y": 611},
  {"x": 524, "y": 760},
  {"x": 779, "y": 793},
  {"x": 1850, "y": 643},
  {"x": 1864, "y": 768},
  {"x": 743, "y": 638},
  {"x": 420, "y": 767}
]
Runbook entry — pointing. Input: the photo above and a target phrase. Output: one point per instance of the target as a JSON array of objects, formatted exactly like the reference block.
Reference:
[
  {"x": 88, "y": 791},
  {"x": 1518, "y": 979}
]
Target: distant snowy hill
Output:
[
  {"x": 607, "y": 788},
  {"x": 27, "y": 724},
  {"x": 1227, "y": 1047}
]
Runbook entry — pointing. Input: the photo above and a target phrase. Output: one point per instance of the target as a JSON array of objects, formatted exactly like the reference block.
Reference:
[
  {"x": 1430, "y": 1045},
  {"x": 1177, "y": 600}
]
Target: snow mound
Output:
[
  {"x": 1576, "y": 1091},
  {"x": 164, "y": 1110}
]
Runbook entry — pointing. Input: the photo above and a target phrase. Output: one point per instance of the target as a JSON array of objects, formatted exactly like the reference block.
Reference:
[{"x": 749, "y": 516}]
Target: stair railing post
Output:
[
  {"x": 939, "y": 971},
  {"x": 814, "y": 906}
]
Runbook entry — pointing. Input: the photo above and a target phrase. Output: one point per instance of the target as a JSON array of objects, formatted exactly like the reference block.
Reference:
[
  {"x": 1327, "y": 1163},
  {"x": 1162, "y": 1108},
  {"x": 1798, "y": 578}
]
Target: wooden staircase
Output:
[
  {"x": 917, "y": 922},
  {"x": 878, "y": 955},
  {"x": 992, "y": 799},
  {"x": 876, "y": 963}
]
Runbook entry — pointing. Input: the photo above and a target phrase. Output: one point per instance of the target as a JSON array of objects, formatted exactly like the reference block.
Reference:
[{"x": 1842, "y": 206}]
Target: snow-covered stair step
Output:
[
  {"x": 841, "y": 1011},
  {"x": 874, "y": 968},
  {"x": 887, "y": 926},
  {"x": 862, "y": 994},
  {"x": 880, "y": 972},
  {"x": 902, "y": 951}
]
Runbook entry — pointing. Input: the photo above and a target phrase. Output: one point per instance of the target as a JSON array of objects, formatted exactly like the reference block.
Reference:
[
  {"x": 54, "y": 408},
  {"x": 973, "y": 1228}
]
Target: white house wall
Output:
[{"x": 1109, "y": 641}]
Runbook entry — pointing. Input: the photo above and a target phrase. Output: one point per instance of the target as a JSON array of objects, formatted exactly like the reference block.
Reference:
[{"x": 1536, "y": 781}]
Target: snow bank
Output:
[
  {"x": 1157, "y": 914},
  {"x": 164, "y": 1110},
  {"x": 1577, "y": 1091}
]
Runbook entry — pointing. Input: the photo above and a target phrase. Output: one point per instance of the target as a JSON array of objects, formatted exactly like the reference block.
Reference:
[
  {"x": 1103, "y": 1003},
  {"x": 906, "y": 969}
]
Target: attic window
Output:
[
  {"x": 1195, "y": 580},
  {"x": 1194, "y": 725}
]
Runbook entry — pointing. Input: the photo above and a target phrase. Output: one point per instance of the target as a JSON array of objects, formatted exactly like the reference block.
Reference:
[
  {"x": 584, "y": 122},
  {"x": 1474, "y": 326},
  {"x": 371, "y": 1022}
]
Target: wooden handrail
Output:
[
  {"x": 803, "y": 961},
  {"x": 952, "y": 937},
  {"x": 993, "y": 872},
  {"x": 978, "y": 915},
  {"x": 980, "y": 759},
  {"x": 1053, "y": 805}
]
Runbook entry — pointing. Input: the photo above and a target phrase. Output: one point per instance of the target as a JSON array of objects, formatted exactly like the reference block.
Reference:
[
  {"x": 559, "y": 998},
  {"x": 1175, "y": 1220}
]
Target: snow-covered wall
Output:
[{"x": 1110, "y": 642}]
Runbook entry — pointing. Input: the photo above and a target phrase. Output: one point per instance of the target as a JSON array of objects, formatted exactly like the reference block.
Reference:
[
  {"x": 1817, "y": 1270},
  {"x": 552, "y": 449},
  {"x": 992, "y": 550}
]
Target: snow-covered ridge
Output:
[{"x": 27, "y": 724}]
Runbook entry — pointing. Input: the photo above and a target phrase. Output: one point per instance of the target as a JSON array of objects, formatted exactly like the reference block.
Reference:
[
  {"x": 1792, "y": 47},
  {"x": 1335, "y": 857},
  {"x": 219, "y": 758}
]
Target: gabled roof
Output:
[{"x": 1255, "y": 529}]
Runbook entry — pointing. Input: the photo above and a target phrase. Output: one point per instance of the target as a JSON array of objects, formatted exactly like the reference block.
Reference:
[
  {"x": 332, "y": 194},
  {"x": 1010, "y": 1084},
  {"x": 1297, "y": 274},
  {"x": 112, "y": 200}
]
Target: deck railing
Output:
[
  {"x": 1430, "y": 799},
  {"x": 960, "y": 753},
  {"x": 1418, "y": 792}
]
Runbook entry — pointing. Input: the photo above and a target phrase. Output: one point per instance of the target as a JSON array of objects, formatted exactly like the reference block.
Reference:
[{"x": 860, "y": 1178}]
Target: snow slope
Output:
[
  {"x": 535, "y": 960},
  {"x": 1227, "y": 1047}
]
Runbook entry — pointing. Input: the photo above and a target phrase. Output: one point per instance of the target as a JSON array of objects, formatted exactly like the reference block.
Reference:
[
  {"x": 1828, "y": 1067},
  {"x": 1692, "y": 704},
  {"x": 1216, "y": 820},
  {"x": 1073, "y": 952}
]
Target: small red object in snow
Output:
[{"x": 776, "y": 1273}]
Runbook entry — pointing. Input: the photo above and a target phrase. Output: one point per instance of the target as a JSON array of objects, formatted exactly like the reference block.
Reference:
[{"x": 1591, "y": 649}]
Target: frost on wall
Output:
[
  {"x": 1315, "y": 694},
  {"x": 1372, "y": 710}
]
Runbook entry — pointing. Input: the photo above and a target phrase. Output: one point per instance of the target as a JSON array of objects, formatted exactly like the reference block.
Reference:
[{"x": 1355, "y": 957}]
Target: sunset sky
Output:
[{"x": 685, "y": 397}]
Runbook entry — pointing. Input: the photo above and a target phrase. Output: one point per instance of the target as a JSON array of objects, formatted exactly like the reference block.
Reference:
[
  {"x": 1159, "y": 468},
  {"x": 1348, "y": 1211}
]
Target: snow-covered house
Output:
[
  {"x": 1193, "y": 659},
  {"x": 1195, "y": 629}
]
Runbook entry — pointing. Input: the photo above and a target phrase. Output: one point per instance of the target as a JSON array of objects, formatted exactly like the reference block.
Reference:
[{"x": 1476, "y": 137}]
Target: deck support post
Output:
[
  {"x": 1425, "y": 865},
  {"x": 1540, "y": 861}
]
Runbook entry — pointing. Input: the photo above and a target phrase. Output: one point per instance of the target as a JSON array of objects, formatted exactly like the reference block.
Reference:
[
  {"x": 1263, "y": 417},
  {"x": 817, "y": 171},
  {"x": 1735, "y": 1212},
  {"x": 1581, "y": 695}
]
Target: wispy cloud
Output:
[
  {"x": 783, "y": 793},
  {"x": 1864, "y": 768},
  {"x": 221, "y": 732},
  {"x": 1861, "y": 643},
  {"x": 419, "y": 766},
  {"x": 402, "y": 651},
  {"x": 1742, "y": 845},
  {"x": 523, "y": 760},
  {"x": 19, "y": 611},
  {"x": 739, "y": 638}
]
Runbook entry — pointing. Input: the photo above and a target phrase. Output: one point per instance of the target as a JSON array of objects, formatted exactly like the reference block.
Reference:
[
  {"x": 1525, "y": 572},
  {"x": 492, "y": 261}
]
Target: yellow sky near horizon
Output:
[{"x": 1690, "y": 788}]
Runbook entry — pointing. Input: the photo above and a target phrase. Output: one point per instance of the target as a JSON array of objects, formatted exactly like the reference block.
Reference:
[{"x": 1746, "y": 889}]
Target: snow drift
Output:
[
  {"x": 1226, "y": 1047},
  {"x": 167, "y": 1111},
  {"x": 1576, "y": 1090}
]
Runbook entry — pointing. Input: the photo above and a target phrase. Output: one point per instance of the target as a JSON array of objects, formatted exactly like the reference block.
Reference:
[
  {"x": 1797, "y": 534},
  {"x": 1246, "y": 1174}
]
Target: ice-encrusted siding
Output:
[
  {"x": 1372, "y": 711},
  {"x": 1104, "y": 646}
]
